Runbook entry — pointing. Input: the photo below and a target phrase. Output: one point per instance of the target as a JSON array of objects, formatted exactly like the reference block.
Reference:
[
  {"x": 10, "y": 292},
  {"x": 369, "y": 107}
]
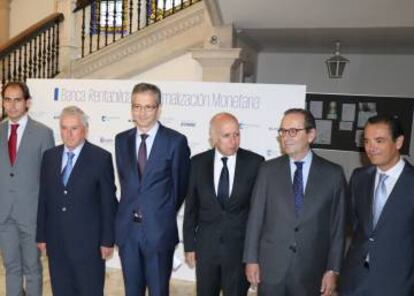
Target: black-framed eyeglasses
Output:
[{"x": 292, "y": 132}]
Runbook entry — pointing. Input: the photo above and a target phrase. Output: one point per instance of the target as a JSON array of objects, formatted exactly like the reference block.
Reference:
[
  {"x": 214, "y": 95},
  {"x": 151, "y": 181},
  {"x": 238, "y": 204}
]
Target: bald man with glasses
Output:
[{"x": 295, "y": 233}]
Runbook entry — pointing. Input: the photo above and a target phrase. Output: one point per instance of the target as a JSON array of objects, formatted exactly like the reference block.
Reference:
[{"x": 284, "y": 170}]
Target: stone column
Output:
[
  {"x": 69, "y": 43},
  {"x": 220, "y": 64},
  {"x": 4, "y": 20}
]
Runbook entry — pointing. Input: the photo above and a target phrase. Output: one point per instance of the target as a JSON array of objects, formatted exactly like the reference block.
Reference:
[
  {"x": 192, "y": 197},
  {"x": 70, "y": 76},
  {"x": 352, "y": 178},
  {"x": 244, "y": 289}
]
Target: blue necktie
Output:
[
  {"x": 68, "y": 168},
  {"x": 380, "y": 198},
  {"x": 223, "y": 190},
  {"x": 298, "y": 186}
]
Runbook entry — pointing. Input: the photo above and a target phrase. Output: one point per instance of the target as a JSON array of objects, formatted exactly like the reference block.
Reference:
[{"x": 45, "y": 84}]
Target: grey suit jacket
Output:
[
  {"x": 308, "y": 245},
  {"x": 19, "y": 185}
]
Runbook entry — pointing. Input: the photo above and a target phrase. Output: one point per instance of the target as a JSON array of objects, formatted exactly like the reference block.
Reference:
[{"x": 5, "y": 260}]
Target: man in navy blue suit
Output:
[
  {"x": 153, "y": 167},
  {"x": 380, "y": 260},
  {"x": 77, "y": 207}
]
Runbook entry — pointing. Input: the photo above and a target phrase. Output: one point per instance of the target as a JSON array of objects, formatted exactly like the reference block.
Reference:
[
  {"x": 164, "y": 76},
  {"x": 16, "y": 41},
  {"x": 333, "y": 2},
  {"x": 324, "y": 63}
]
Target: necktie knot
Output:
[
  {"x": 70, "y": 155},
  {"x": 299, "y": 165},
  {"x": 144, "y": 137},
  {"x": 224, "y": 160},
  {"x": 14, "y": 128},
  {"x": 382, "y": 178}
]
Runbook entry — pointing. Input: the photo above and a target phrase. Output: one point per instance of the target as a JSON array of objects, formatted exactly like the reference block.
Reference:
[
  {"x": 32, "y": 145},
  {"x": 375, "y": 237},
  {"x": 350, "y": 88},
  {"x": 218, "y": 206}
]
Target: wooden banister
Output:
[{"x": 30, "y": 33}]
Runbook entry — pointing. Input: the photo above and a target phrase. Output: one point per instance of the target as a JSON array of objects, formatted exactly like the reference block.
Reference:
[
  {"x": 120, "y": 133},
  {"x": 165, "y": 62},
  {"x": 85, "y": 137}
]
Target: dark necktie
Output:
[
  {"x": 68, "y": 168},
  {"x": 142, "y": 155},
  {"x": 223, "y": 190},
  {"x": 298, "y": 186},
  {"x": 13, "y": 144},
  {"x": 380, "y": 198}
]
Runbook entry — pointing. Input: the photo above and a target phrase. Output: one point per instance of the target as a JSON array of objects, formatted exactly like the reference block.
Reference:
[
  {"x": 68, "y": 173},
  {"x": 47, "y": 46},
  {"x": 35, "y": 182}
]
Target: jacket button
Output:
[
  {"x": 63, "y": 209},
  {"x": 11, "y": 175},
  {"x": 65, "y": 192},
  {"x": 296, "y": 229},
  {"x": 371, "y": 239}
]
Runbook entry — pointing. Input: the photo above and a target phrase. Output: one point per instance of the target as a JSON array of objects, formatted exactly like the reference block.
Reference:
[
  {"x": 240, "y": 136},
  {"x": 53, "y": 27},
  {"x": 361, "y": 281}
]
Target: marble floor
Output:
[{"x": 113, "y": 284}]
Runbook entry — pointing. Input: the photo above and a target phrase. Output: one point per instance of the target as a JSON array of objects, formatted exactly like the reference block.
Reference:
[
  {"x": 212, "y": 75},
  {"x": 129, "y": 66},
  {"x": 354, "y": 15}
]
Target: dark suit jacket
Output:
[
  {"x": 310, "y": 244},
  {"x": 160, "y": 192},
  {"x": 206, "y": 223},
  {"x": 78, "y": 218},
  {"x": 390, "y": 245}
]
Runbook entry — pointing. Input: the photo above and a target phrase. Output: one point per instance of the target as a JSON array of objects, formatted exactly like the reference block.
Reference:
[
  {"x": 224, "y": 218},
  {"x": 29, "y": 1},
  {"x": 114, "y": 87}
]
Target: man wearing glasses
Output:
[
  {"x": 22, "y": 142},
  {"x": 153, "y": 164},
  {"x": 295, "y": 232}
]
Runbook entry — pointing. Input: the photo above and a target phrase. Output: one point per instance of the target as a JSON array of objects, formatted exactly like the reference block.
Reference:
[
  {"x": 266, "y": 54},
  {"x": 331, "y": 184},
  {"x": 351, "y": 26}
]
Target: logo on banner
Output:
[
  {"x": 106, "y": 141},
  {"x": 244, "y": 125},
  {"x": 105, "y": 118},
  {"x": 56, "y": 94},
  {"x": 188, "y": 124}
]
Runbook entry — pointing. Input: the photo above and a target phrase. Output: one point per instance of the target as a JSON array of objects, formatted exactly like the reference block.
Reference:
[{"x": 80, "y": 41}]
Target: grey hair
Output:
[{"x": 75, "y": 111}]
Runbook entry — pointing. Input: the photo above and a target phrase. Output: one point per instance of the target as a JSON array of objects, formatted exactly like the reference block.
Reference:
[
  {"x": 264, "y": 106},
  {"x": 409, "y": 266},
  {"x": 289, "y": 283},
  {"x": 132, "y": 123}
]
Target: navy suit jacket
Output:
[
  {"x": 78, "y": 218},
  {"x": 161, "y": 190},
  {"x": 390, "y": 245}
]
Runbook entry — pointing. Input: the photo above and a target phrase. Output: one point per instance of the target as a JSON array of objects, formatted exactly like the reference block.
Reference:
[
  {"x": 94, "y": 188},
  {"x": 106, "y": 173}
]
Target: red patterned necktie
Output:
[{"x": 13, "y": 144}]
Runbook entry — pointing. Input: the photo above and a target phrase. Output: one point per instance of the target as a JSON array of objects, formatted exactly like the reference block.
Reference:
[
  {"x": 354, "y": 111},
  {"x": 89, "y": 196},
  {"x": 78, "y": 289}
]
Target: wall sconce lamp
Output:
[{"x": 336, "y": 63}]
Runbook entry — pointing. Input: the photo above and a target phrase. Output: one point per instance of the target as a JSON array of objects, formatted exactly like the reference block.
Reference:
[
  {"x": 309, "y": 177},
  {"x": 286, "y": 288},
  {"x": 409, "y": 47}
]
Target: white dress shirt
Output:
[
  {"x": 218, "y": 166},
  {"x": 20, "y": 130}
]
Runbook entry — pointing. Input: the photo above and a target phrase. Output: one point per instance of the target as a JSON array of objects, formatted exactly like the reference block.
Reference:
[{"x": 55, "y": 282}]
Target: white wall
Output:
[
  {"x": 365, "y": 74},
  {"x": 383, "y": 75},
  {"x": 24, "y": 13},
  {"x": 183, "y": 68}
]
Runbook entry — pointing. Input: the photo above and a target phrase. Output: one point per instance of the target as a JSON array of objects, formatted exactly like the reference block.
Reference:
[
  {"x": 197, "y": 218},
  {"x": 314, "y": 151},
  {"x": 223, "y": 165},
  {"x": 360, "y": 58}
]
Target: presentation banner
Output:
[{"x": 186, "y": 107}]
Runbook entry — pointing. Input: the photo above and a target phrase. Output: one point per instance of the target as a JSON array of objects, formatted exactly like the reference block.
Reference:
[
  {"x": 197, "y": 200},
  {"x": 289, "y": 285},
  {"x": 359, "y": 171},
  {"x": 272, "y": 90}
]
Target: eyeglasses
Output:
[
  {"x": 8, "y": 100},
  {"x": 146, "y": 108},
  {"x": 292, "y": 132}
]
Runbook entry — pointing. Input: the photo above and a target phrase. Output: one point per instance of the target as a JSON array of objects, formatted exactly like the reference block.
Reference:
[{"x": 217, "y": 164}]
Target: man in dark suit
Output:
[
  {"x": 216, "y": 209},
  {"x": 380, "y": 260},
  {"x": 77, "y": 206},
  {"x": 22, "y": 143},
  {"x": 295, "y": 232},
  {"x": 153, "y": 167}
]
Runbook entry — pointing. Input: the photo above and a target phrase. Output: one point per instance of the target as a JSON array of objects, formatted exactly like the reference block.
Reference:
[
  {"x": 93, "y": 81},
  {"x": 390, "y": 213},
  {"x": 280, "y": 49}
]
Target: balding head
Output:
[{"x": 225, "y": 133}]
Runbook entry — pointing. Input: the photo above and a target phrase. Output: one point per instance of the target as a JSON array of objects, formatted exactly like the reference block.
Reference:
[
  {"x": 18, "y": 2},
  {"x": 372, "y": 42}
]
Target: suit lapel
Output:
[
  {"x": 367, "y": 215},
  {"x": 312, "y": 186},
  {"x": 155, "y": 152},
  {"x": 80, "y": 164},
  {"x": 131, "y": 153},
  {"x": 25, "y": 140},
  {"x": 209, "y": 175},
  {"x": 286, "y": 182},
  {"x": 57, "y": 164},
  {"x": 4, "y": 141},
  {"x": 398, "y": 190}
]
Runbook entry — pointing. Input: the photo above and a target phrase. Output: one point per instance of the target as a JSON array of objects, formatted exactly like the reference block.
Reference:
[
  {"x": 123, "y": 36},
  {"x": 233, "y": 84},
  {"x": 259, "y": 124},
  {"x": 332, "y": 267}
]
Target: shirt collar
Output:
[
  {"x": 76, "y": 151},
  {"x": 395, "y": 171},
  {"x": 22, "y": 122},
  {"x": 306, "y": 159},
  {"x": 152, "y": 132},
  {"x": 218, "y": 156}
]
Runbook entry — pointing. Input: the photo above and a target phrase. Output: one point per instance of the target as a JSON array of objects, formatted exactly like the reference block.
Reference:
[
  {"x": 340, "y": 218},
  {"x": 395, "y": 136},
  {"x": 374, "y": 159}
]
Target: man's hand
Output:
[
  {"x": 190, "y": 259},
  {"x": 106, "y": 252},
  {"x": 253, "y": 273},
  {"x": 41, "y": 247},
  {"x": 328, "y": 286}
]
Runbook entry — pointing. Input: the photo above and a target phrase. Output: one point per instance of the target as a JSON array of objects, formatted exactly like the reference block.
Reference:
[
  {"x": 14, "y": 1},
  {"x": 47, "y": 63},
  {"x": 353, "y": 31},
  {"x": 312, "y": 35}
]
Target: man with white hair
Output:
[{"x": 77, "y": 205}]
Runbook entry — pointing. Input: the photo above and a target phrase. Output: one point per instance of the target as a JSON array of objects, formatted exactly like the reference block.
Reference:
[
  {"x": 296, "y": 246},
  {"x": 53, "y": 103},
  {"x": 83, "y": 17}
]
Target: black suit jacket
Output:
[
  {"x": 390, "y": 245},
  {"x": 206, "y": 223},
  {"x": 79, "y": 218}
]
